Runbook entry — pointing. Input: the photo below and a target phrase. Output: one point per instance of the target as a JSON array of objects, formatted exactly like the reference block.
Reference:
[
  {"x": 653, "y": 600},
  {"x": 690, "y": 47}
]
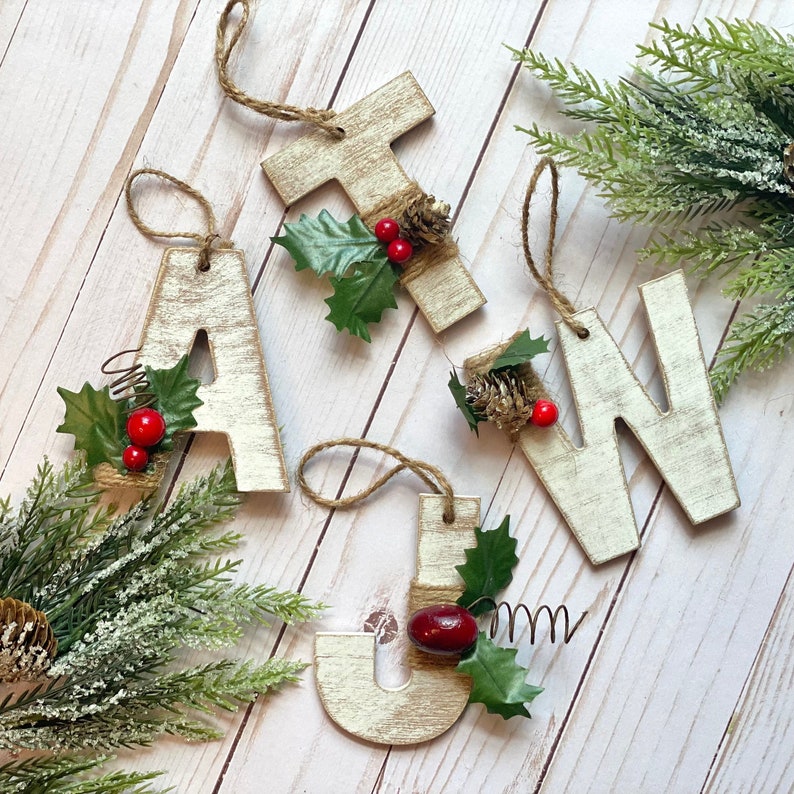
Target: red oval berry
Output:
[
  {"x": 135, "y": 458},
  {"x": 146, "y": 427},
  {"x": 544, "y": 413},
  {"x": 399, "y": 251},
  {"x": 443, "y": 629},
  {"x": 387, "y": 229}
]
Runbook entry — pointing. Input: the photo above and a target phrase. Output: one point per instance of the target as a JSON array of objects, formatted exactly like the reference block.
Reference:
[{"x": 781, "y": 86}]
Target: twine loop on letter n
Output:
[
  {"x": 275, "y": 110},
  {"x": 562, "y": 305},
  {"x": 205, "y": 240},
  {"x": 430, "y": 475}
]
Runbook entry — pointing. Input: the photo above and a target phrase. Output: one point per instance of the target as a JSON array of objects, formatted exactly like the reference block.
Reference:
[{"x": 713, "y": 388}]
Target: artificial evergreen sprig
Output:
[
  {"x": 123, "y": 594},
  {"x": 66, "y": 773},
  {"x": 703, "y": 126}
]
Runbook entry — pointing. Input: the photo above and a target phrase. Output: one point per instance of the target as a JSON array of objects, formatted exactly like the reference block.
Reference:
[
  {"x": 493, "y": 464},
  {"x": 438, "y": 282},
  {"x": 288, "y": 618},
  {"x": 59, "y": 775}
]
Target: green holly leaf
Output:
[
  {"x": 361, "y": 297},
  {"x": 459, "y": 393},
  {"x": 498, "y": 681},
  {"x": 97, "y": 422},
  {"x": 176, "y": 399},
  {"x": 488, "y": 567},
  {"x": 521, "y": 349},
  {"x": 329, "y": 246}
]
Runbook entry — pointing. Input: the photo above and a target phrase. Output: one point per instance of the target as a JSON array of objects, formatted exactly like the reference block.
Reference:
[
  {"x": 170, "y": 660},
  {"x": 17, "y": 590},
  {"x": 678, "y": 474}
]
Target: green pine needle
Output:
[
  {"x": 124, "y": 595},
  {"x": 698, "y": 129},
  {"x": 66, "y": 773}
]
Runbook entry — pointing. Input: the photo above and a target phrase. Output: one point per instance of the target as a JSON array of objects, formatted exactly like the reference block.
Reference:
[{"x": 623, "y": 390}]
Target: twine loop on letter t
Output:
[
  {"x": 430, "y": 475},
  {"x": 562, "y": 305},
  {"x": 275, "y": 110},
  {"x": 206, "y": 240}
]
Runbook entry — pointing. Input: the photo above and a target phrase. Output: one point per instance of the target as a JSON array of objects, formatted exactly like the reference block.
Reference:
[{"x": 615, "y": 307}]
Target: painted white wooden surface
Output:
[{"x": 679, "y": 679}]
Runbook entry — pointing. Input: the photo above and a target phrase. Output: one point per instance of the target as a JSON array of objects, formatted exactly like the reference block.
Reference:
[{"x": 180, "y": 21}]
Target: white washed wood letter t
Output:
[
  {"x": 237, "y": 402},
  {"x": 435, "y": 696},
  {"x": 685, "y": 443}
]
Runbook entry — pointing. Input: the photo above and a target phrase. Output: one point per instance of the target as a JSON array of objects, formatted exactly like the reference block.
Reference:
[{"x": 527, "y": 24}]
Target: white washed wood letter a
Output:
[
  {"x": 237, "y": 403},
  {"x": 686, "y": 444}
]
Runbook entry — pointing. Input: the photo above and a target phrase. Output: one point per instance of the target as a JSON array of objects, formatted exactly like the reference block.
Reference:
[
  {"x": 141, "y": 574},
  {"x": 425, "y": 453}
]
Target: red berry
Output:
[
  {"x": 387, "y": 229},
  {"x": 544, "y": 413},
  {"x": 146, "y": 427},
  {"x": 443, "y": 629},
  {"x": 135, "y": 458},
  {"x": 399, "y": 251}
]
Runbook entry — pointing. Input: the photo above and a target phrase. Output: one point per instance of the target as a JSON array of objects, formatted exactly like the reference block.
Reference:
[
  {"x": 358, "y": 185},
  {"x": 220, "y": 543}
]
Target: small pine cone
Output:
[
  {"x": 27, "y": 642},
  {"x": 425, "y": 221},
  {"x": 501, "y": 398}
]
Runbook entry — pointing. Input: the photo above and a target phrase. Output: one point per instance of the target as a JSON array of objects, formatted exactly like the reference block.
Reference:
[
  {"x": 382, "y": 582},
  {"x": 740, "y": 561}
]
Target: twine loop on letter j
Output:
[
  {"x": 430, "y": 475},
  {"x": 205, "y": 240}
]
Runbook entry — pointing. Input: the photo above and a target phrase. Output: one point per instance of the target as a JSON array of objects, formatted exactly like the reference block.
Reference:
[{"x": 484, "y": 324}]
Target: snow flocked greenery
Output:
[
  {"x": 124, "y": 595},
  {"x": 700, "y": 129}
]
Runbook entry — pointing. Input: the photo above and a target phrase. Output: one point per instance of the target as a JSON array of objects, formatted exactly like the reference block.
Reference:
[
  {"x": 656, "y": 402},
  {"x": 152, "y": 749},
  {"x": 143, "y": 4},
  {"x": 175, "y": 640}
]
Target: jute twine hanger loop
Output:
[
  {"x": 562, "y": 305},
  {"x": 275, "y": 110},
  {"x": 206, "y": 240},
  {"x": 430, "y": 475}
]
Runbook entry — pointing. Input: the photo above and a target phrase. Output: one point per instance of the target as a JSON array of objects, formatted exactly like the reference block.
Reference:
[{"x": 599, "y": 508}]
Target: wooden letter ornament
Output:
[
  {"x": 685, "y": 444},
  {"x": 237, "y": 403},
  {"x": 435, "y": 696},
  {"x": 364, "y": 164}
]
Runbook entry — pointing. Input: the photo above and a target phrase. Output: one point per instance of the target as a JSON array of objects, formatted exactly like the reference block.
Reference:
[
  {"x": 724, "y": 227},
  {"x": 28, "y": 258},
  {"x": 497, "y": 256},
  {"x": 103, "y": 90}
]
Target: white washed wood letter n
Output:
[
  {"x": 237, "y": 402},
  {"x": 435, "y": 696},
  {"x": 685, "y": 444}
]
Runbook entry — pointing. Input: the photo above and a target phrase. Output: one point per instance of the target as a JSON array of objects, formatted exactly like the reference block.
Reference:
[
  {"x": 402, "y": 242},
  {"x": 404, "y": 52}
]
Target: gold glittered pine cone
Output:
[
  {"x": 502, "y": 398},
  {"x": 425, "y": 221},
  {"x": 27, "y": 642}
]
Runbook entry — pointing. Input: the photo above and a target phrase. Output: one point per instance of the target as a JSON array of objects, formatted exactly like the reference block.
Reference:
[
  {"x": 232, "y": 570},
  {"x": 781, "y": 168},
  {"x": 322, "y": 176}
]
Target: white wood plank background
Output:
[{"x": 680, "y": 678}]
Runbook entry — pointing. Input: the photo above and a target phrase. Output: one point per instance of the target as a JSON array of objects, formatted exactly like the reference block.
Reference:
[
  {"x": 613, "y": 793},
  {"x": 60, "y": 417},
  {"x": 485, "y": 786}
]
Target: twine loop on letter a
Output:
[{"x": 205, "y": 240}]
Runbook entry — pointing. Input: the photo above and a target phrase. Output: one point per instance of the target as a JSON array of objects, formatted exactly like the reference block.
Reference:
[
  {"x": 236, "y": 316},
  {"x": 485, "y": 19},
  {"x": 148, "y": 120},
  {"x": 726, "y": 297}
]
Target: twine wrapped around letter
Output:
[{"x": 430, "y": 475}]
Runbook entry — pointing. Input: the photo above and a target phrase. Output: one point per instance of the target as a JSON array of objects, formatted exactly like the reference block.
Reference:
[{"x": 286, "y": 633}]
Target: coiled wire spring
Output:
[
  {"x": 132, "y": 383},
  {"x": 532, "y": 618}
]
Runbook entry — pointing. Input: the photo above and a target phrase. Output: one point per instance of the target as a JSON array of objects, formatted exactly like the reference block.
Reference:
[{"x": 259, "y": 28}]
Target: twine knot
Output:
[{"x": 430, "y": 475}]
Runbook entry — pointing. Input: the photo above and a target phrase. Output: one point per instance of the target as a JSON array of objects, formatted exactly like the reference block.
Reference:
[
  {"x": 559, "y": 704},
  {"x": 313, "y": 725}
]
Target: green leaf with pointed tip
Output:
[
  {"x": 329, "y": 246},
  {"x": 360, "y": 298},
  {"x": 176, "y": 399},
  {"x": 522, "y": 349},
  {"x": 459, "y": 393},
  {"x": 498, "y": 681},
  {"x": 488, "y": 567},
  {"x": 96, "y": 421}
]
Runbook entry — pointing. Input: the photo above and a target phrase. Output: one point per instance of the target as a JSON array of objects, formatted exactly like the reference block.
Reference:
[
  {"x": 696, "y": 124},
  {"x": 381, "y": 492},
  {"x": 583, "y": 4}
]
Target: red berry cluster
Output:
[
  {"x": 398, "y": 249},
  {"x": 544, "y": 413},
  {"x": 146, "y": 428}
]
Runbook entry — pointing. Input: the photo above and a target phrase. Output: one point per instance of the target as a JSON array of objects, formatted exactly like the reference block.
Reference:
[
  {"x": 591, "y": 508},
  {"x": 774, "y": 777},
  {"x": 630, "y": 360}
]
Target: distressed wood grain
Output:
[
  {"x": 435, "y": 694},
  {"x": 365, "y": 166},
  {"x": 187, "y": 299},
  {"x": 677, "y": 680},
  {"x": 684, "y": 441}
]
